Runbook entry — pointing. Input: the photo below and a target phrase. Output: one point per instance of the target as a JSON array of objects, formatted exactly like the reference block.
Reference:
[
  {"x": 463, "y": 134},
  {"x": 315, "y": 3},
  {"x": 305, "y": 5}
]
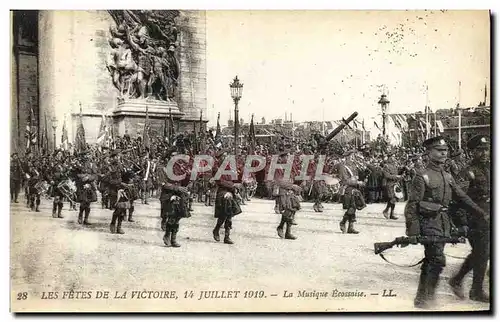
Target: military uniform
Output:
[
  {"x": 174, "y": 200},
  {"x": 477, "y": 185},
  {"x": 353, "y": 199},
  {"x": 391, "y": 177},
  {"x": 226, "y": 204},
  {"x": 426, "y": 215},
  {"x": 58, "y": 177},
  {"x": 119, "y": 200},
  {"x": 85, "y": 192},
  {"x": 15, "y": 177}
]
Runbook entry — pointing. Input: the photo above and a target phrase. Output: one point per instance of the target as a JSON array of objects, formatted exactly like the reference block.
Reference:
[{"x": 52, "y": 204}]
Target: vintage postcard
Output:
[{"x": 250, "y": 161}]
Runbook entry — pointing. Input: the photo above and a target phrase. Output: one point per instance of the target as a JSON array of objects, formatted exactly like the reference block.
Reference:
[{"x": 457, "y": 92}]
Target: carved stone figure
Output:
[{"x": 140, "y": 67}]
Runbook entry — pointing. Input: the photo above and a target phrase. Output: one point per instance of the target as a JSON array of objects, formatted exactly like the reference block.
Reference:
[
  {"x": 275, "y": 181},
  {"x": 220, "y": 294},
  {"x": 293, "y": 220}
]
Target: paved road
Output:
[{"x": 59, "y": 255}]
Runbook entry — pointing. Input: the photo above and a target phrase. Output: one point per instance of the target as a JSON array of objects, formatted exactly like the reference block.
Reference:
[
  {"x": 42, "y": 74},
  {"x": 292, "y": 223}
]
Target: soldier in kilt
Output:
[
  {"x": 85, "y": 192},
  {"x": 391, "y": 177},
  {"x": 174, "y": 200},
  {"x": 226, "y": 207},
  {"x": 57, "y": 178},
  {"x": 353, "y": 198},
  {"x": 289, "y": 204},
  {"x": 33, "y": 193}
]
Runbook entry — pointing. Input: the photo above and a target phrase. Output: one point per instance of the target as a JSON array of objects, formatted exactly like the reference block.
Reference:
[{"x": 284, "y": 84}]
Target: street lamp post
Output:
[
  {"x": 383, "y": 104},
  {"x": 54, "y": 127},
  {"x": 236, "y": 92}
]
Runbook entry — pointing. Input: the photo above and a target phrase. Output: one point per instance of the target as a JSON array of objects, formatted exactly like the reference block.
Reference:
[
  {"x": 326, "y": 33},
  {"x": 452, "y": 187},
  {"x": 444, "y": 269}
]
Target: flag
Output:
[
  {"x": 252, "y": 133},
  {"x": 218, "y": 130},
  {"x": 145, "y": 135},
  {"x": 31, "y": 132},
  {"x": 45, "y": 138},
  {"x": 103, "y": 132},
  {"x": 440, "y": 126},
  {"x": 80, "y": 144},
  {"x": 64, "y": 137}
]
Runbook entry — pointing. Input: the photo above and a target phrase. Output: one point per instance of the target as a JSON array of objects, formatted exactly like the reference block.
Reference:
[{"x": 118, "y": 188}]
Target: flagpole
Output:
[{"x": 459, "y": 116}]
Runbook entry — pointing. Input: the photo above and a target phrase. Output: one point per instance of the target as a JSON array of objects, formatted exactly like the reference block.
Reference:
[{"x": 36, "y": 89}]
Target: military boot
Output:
[
  {"x": 166, "y": 238},
  {"x": 392, "y": 215},
  {"x": 59, "y": 210},
  {"x": 421, "y": 299},
  {"x": 342, "y": 224},
  {"x": 119, "y": 229},
  {"x": 174, "y": 239},
  {"x": 216, "y": 235},
  {"x": 280, "y": 228},
  {"x": 54, "y": 209},
  {"x": 86, "y": 219},
  {"x": 227, "y": 239},
  {"x": 350, "y": 229},
  {"x": 288, "y": 233}
]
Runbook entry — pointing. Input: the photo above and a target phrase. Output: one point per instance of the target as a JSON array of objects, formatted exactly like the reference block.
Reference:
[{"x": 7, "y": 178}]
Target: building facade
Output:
[{"x": 62, "y": 68}]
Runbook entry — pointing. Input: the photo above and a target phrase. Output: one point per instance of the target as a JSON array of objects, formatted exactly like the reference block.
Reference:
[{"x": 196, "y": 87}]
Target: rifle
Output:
[{"x": 424, "y": 240}]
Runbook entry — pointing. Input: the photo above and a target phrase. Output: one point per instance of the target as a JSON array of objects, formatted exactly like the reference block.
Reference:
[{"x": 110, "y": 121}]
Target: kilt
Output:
[{"x": 226, "y": 207}]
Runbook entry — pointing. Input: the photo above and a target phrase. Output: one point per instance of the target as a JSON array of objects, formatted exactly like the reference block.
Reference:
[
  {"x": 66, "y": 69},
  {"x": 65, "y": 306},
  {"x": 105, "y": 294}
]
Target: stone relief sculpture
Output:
[{"x": 143, "y": 62}]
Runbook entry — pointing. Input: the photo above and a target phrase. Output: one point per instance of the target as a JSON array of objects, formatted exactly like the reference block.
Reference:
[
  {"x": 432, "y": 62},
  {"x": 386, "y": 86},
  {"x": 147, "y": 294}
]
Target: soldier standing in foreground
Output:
[
  {"x": 353, "y": 198},
  {"x": 426, "y": 214},
  {"x": 16, "y": 172},
  {"x": 478, "y": 176},
  {"x": 174, "y": 200}
]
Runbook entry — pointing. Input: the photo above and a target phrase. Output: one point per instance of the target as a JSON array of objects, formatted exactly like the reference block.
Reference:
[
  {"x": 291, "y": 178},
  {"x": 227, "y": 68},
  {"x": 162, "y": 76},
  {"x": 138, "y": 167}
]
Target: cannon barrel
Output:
[{"x": 339, "y": 128}]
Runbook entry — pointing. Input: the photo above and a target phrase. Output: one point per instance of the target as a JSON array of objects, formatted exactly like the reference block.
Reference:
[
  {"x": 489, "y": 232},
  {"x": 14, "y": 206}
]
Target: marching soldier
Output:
[
  {"x": 226, "y": 203},
  {"x": 16, "y": 172},
  {"x": 391, "y": 177},
  {"x": 477, "y": 174},
  {"x": 174, "y": 200},
  {"x": 58, "y": 195},
  {"x": 86, "y": 193},
  {"x": 119, "y": 201},
  {"x": 35, "y": 177},
  {"x": 289, "y": 204},
  {"x": 353, "y": 198},
  {"x": 426, "y": 215}
]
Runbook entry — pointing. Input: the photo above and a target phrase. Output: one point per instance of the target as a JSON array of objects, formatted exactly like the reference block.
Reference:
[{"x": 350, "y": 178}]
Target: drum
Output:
[{"x": 333, "y": 184}]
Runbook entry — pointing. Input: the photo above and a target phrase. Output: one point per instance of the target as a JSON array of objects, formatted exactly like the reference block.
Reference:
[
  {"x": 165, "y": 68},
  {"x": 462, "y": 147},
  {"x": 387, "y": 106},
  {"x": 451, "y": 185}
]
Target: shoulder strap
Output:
[{"x": 399, "y": 265}]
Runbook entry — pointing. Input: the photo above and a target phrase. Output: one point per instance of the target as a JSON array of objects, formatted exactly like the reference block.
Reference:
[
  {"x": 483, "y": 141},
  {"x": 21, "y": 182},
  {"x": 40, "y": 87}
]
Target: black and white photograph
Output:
[{"x": 250, "y": 161}]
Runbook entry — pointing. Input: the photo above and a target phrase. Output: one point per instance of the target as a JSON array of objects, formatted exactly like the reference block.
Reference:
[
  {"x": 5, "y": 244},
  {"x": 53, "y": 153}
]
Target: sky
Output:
[{"x": 324, "y": 65}]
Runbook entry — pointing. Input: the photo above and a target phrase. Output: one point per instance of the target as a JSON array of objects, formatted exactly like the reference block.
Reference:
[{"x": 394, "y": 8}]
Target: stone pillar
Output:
[
  {"x": 57, "y": 87},
  {"x": 192, "y": 59},
  {"x": 15, "y": 140}
]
